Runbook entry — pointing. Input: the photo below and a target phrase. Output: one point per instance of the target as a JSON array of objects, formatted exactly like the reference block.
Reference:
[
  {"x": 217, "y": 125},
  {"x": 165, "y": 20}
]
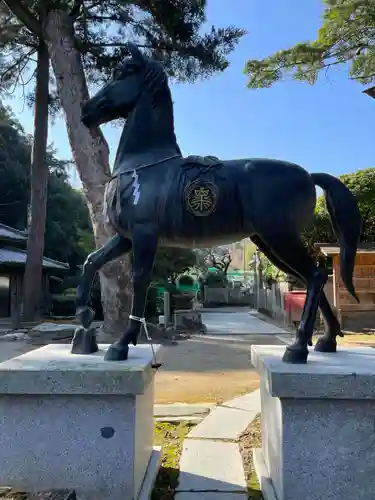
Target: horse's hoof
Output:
[
  {"x": 326, "y": 344},
  {"x": 117, "y": 352},
  {"x": 85, "y": 316},
  {"x": 296, "y": 355},
  {"x": 84, "y": 341}
]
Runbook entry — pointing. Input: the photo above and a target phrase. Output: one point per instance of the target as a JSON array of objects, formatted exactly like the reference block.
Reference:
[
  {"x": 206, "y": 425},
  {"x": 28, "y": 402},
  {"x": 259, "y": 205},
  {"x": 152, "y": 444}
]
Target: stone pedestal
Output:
[
  {"x": 78, "y": 422},
  {"x": 318, "y": 425}
]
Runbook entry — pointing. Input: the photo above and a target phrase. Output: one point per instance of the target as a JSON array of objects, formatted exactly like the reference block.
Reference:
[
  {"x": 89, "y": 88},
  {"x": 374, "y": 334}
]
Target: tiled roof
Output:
[
  {"x": 12, "y": 234},
  {"x": 17, "y": 257},
  {"x": 331, "y": 249}
]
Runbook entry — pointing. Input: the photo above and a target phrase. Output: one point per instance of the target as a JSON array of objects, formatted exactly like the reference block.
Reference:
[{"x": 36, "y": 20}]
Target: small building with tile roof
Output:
[
  {"x": 353, "y": 316},
  {"x": 13, "y": 256}
]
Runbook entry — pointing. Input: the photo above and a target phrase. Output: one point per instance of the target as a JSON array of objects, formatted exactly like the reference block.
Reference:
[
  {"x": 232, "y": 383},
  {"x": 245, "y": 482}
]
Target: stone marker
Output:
[
  {"x": 77, "y": 422},
  {"x": 318, "y": 425},
  {"x": 52, "y": 331},
  {"x": 189, "y": 321}
]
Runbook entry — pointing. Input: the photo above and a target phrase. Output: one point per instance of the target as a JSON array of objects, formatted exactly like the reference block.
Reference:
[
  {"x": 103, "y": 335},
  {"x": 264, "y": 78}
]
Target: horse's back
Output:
[
  {"x": 276, "y": 189},
  {"x": 203, "y": 201}
]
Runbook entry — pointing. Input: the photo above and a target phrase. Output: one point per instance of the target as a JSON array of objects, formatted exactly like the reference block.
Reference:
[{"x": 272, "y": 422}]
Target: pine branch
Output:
[
  {"x": 24, "y": 15},
  {"x": 17, "y": 63},
  {"x": 76, "y": 9}
]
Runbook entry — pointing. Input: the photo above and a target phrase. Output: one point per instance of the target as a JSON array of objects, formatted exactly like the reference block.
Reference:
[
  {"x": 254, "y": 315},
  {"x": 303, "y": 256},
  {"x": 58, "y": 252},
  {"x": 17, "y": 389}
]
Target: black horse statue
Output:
[{"x": 157, "y": 197}]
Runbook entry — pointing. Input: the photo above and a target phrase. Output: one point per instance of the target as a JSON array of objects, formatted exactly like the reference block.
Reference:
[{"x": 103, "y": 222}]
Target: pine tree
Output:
[{"x": 86, "y": 40}]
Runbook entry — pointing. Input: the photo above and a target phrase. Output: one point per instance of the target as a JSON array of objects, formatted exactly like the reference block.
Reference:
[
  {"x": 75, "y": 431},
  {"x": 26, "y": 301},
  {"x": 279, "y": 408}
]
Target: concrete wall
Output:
[
  {"x": 227, "y": 296},
  {"x": 270, "y": 301}
]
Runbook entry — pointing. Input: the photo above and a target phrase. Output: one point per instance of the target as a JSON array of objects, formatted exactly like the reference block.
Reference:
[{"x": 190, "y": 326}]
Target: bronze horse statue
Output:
[{"x": 157, "y": 197}]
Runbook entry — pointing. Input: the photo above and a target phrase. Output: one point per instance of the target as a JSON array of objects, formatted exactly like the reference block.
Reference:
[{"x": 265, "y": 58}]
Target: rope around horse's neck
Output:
[
  {"x": 143, "y": 322},
  {"x": 114, "y": 176}
]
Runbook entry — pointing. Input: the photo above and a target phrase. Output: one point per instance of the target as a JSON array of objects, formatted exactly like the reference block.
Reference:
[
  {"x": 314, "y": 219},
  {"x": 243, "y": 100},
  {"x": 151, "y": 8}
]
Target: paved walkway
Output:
[
  {"x": 238, "y": 323},
  {"x": 211, "y": 463}
]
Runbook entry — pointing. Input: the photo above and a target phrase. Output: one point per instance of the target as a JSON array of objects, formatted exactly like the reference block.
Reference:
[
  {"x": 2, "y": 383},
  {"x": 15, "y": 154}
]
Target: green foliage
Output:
[
  {"x": 63, "y": 305},
  {"x": 68, "y": 221},
  {"x": 186, "y": 281},
  {"x": 347, "y": 35},
  {"x": 171, "y": 262},
  {"x": 269, "y": 271},
  {"x": 218, "y": 257},
  {"x": 68, "y": 229},
  {"x": 170, "y": 30},
  {"x": 153, "y": 305},
  {"x": 362, "y": 185},
  {"x": 213, "y": 279}
]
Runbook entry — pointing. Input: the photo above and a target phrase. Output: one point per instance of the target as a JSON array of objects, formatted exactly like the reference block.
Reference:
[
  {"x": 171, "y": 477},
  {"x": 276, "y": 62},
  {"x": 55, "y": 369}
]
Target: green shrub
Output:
[
  {"x": 153, "y": 304},
  {"x": 63, "y": 305},
  {"x": 186, "y": 281}
]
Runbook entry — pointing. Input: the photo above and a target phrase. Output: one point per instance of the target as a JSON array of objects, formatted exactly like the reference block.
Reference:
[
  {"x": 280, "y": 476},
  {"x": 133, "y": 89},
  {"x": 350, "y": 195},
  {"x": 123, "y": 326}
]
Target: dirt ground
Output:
[
  {"x": 354, "y": 339},
  {"x": 208, "y": 370}
]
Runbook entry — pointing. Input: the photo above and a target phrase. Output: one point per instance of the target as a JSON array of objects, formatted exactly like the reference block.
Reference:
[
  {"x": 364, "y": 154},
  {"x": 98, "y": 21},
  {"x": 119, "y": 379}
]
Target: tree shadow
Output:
[{"x": 165, "y": 484}]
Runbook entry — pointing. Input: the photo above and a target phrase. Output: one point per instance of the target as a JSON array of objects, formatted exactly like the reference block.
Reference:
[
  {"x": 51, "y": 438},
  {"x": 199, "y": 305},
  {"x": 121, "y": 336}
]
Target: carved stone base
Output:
[
  {"x": 318, "y": 425},
  {"x": 77, "y": 423}
]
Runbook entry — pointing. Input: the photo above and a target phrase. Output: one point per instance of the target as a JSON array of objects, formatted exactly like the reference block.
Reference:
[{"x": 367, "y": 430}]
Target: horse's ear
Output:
[{"x": 136, "y": 53}]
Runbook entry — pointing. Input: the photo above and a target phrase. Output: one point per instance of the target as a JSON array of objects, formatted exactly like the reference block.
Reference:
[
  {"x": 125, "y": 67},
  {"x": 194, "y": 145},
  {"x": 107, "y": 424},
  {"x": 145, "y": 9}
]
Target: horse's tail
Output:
[{"x": 346, "y": 221}]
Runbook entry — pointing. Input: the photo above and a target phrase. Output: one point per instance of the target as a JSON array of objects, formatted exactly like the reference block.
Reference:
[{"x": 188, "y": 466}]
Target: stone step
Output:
[
  {"x": 182, "y": 409},
  {"x": 248, "y": 402},
  {"x": 223, "y": 423},
  {"x": 210, "y": 495},
  {"x": 211, "y": 466}
]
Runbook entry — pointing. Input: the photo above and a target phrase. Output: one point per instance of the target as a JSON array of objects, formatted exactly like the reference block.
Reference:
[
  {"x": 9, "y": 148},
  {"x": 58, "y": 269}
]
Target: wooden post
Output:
[{"x": 167, "y": 309}]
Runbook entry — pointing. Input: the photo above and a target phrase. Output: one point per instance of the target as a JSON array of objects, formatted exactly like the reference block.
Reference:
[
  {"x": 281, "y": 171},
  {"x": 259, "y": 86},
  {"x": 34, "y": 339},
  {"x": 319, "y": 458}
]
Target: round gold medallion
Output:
[{"x": 200, "y": 198}]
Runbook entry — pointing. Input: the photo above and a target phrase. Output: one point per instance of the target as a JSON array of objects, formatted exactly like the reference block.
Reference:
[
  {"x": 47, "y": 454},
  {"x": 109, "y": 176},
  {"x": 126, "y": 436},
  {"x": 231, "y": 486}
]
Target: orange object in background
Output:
[{"x": 293, "y": 305}]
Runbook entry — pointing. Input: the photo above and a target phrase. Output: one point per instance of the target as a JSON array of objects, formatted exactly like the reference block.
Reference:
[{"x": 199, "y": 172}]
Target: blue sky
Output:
[{"x": 325, "y": 127}]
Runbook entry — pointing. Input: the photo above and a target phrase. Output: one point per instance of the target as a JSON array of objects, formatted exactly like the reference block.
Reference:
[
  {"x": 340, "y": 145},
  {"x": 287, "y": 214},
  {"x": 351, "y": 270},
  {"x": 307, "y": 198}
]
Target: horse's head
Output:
[{"x": 119, "y": 97}]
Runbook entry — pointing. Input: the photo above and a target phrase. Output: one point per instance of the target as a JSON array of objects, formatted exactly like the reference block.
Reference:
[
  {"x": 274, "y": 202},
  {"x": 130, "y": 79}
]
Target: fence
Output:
[
  {"x": 270, "y": 300},
  {"x": 227, "y": 296}
]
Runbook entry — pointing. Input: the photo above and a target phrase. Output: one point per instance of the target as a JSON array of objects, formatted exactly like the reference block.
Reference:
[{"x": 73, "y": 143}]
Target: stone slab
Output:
[
  {"x": 182, "y": 418},
  {"x": 321, "y": 445},
  {"x": 52, "y": 495},
  {"x": 99, "y": 446},
  {"x": 264, "y": 480},
  {"x": 53, "y": 330},
  {"x": 223, "y": 423},
  {"x": 182, "y": 409},
  {"x": 52, "y": 369},
  {"x": 211, "y": 466},
  {"x": 248, "y": 402},
  {"x": 151, "y": 474},
  {"x": 210, "y": 495},
  {"x": 347, "y": 374}
]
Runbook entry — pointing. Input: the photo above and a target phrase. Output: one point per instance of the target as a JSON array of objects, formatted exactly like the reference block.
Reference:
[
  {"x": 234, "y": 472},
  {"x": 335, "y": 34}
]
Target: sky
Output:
[{"x": 325, "y": 127}]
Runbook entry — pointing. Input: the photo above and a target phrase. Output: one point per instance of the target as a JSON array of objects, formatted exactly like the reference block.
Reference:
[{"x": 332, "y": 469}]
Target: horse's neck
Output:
[{"x": 148, "y": 134}]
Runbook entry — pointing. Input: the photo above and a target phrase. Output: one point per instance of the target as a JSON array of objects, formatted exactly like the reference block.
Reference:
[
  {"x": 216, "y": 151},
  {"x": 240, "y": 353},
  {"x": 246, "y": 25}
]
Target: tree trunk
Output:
[
  {"x": 38, "y": 187},
  {"x": 91, "y": 156}
]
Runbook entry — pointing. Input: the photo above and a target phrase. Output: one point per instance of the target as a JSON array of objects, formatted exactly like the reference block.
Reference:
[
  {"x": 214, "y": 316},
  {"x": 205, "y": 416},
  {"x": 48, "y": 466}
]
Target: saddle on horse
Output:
[{"x": 204, "y": 161}]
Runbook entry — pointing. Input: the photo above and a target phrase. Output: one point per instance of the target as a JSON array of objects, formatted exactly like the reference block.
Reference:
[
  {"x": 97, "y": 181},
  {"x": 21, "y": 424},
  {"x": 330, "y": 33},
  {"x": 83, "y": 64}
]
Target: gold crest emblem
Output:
[{"x": 200, "y": 198}]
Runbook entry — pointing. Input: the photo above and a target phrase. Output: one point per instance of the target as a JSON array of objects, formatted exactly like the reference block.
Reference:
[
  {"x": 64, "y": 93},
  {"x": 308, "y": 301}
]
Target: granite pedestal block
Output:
[
  {"x": 77, "y": 422},
  {"x": 318, "y": 425}
]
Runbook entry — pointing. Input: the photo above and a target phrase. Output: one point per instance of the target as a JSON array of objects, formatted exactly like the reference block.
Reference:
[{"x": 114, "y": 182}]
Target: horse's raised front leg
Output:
[
  {"x": 84, "y": 341},
  {"x": 145, "y": 243}
]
